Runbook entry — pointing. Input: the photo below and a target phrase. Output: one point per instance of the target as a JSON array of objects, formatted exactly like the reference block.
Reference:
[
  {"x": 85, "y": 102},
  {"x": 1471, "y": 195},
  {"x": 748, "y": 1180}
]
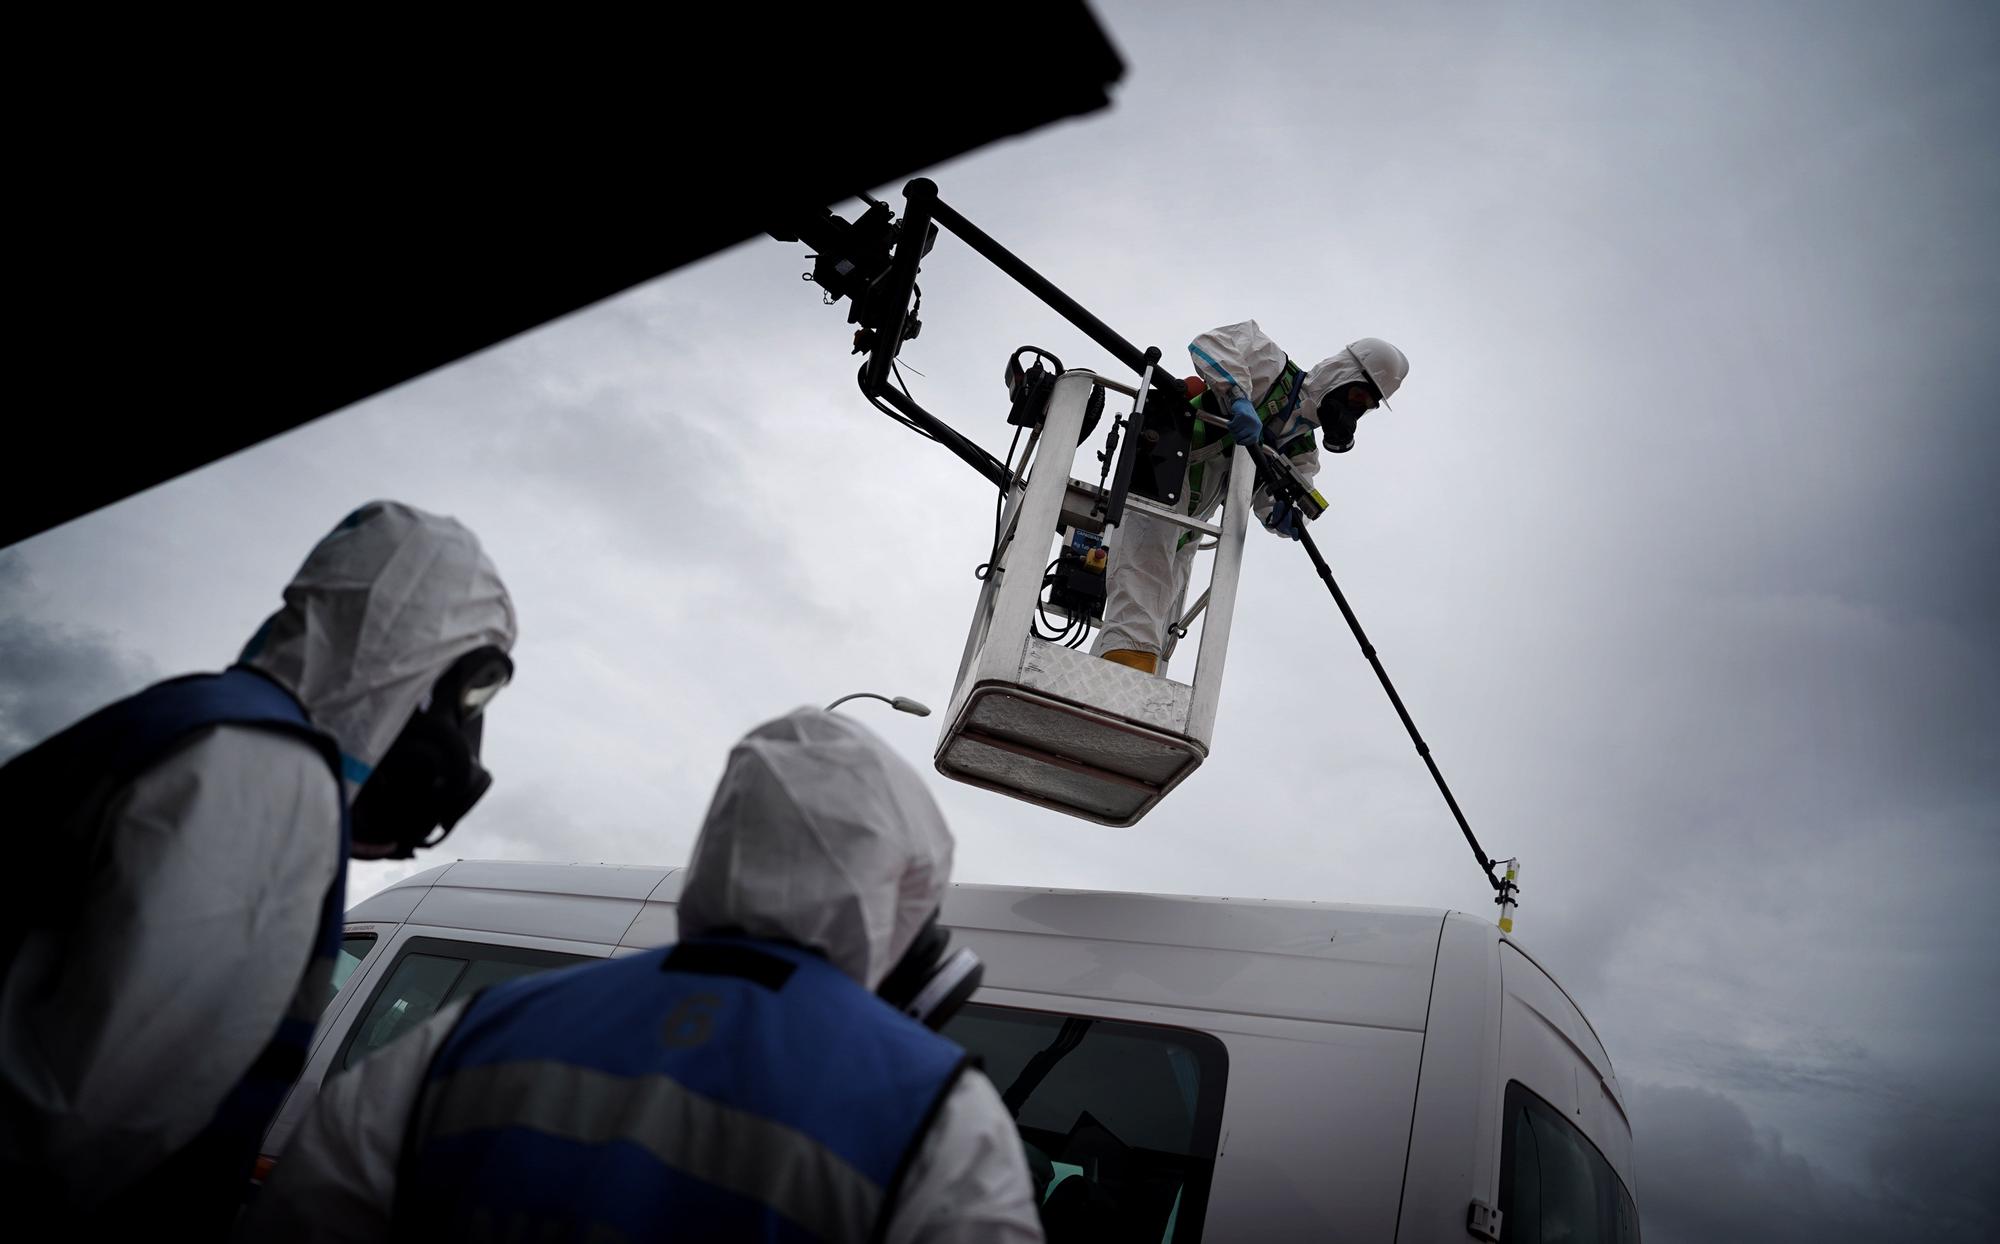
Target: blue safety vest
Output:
[
  {"x": 63, "y": 787},
  {"x": 720, "y": 1089}
]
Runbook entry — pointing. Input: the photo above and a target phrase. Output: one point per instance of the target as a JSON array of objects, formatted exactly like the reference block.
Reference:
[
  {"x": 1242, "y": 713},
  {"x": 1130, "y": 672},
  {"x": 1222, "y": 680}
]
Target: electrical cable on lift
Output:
[
  {"x": 985, "y": 568},
  {"x": 1070, "y": 633}
]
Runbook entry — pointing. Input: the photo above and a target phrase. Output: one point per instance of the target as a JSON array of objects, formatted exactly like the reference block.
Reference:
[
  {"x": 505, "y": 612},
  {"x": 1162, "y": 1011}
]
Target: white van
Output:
[{"x": 1182, "y": 1068}]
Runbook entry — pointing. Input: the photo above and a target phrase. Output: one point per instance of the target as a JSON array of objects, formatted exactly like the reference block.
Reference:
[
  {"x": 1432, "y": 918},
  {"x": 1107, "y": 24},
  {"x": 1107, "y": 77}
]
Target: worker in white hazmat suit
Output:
[
  {"x": 1241, "y": 374},
  {"x": 170, "y": 945},
  {"x": 763, "y": 1078}
]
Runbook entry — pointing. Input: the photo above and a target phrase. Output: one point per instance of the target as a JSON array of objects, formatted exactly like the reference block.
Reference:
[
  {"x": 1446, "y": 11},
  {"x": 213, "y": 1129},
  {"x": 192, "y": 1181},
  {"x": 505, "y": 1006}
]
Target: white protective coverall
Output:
[
  {"x": 1147, "y": 577},
  {"x": 120, "y": 1034},
  {"x": 818, "y": 834}
]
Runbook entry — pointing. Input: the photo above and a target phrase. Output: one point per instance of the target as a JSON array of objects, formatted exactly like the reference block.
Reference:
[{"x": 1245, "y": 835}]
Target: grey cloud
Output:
[
  {"x": 628, "y": 430},
  {"x": 51, "y": 675},
  {"x": 1827, "y": 1066},
  {"x": 1707, "y": 1175},
  {"x": 1936, "y": 1164}
]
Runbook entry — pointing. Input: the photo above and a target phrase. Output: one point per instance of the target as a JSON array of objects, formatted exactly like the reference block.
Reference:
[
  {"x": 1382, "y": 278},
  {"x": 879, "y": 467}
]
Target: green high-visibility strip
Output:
[
  {"x": 1275, "y": 400},
  {"x": 1281, "y": 391}
]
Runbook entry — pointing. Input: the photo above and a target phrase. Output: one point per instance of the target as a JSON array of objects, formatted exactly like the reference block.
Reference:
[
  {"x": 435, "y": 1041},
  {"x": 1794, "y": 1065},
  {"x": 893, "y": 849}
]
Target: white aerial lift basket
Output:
[{"x": 1056, "y": 726}]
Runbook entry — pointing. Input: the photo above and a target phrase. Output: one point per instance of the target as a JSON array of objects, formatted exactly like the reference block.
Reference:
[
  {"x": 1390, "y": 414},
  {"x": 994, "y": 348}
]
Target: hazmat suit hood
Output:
[
  {"x": 382, "y": 606},
  {"x": 819, "y": 834},
  {"x": 1371, "y": 359}
]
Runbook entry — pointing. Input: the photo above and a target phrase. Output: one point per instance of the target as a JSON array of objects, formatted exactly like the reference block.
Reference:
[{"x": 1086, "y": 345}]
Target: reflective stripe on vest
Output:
[
  {"x": 723, "y": 1088},
  {"x": 71, "y": 779}
]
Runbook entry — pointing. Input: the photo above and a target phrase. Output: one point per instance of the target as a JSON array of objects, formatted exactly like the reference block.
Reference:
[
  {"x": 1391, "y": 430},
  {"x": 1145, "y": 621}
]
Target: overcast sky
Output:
[{"x": 1682, "y": 542}]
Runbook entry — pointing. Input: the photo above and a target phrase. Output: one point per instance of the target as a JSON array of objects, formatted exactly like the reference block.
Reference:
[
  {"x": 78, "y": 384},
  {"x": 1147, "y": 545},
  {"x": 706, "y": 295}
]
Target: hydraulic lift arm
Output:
[{"x": 873, "y": 262}]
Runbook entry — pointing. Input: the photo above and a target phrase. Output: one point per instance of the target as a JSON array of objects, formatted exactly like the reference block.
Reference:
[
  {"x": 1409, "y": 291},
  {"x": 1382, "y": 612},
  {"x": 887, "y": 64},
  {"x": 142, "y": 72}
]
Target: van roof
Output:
[
  {"x": 1211, "y": 921},
  {"x": 1321, "y": 961},
  {"x": 1327, "y": 962}
]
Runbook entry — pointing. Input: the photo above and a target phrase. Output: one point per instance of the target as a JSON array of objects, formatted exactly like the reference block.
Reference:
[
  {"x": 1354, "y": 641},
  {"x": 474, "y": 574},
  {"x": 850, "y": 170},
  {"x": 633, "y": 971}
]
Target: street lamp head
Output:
[{"x": 902, "y": 703}]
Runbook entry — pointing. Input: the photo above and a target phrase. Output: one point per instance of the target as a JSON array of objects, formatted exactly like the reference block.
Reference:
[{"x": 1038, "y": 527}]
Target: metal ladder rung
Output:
[
  {"x": 1164, "y": 514},
  {"x": 1082, "y": 496}
]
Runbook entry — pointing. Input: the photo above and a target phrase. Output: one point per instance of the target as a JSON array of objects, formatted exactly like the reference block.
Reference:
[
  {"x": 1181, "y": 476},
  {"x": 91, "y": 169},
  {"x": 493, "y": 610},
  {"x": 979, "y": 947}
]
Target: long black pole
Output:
[
  {"x": 922, "y": 190},
  {"x": 1423, "y": 748}
]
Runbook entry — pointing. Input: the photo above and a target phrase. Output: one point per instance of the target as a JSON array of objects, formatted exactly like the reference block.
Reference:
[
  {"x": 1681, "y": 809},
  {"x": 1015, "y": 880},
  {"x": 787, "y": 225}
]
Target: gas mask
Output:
[
  {"x": 431, "y": 776},
  {"x": 927, "y": 984},
  {"x": 1338, "y": 416}
]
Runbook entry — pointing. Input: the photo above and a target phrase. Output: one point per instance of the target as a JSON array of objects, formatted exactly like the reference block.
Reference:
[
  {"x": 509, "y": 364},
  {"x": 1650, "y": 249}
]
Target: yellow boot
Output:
[{"x": 1144, "y": 662}]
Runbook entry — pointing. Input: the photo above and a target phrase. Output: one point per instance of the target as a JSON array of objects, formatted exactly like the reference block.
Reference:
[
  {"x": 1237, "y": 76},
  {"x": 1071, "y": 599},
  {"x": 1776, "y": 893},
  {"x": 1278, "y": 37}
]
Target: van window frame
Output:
[
  {"x": 355, "y": 973},
  {"x": 1518, "y": 1097},
  {"x": 1211, "y": 1057},
  {"x": 452, "y": 948}
]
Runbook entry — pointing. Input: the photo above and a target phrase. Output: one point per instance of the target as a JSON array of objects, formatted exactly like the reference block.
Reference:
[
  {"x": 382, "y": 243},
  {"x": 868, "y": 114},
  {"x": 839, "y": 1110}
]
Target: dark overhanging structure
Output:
[{"x": 229, "y": 239}]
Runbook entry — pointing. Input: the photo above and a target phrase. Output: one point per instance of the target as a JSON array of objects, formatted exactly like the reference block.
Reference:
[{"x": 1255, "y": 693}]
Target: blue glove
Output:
[
  {"x": 1284, "y": 520},
  {"x": 1244, "y": 424}
]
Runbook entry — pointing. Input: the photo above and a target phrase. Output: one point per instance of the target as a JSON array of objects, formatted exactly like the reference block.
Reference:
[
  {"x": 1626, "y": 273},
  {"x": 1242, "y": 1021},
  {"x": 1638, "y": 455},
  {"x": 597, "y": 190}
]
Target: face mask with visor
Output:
[{"x": 431, "y": 776}]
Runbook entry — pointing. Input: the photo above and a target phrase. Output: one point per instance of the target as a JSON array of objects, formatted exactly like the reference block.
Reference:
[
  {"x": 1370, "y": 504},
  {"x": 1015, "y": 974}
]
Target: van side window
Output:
[
  {"x": 1120, "y": 1120},
  {"x": 353, "y": 949},
  {"x": 430, "y": 972},
  {"x": 1554, "y": 1184}
]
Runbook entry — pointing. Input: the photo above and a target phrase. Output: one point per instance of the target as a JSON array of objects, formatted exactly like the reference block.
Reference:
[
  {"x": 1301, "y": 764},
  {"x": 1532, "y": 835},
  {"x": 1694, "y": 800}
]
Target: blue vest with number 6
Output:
[{"x": 720, "y": 1089}]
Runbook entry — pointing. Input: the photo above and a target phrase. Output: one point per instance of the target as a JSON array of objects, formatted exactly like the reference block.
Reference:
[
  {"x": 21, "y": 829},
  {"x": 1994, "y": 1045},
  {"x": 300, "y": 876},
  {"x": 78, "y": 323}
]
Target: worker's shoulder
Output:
[
  {"x": 237, "y": 772},
  {"x": 254, "y": 748}
]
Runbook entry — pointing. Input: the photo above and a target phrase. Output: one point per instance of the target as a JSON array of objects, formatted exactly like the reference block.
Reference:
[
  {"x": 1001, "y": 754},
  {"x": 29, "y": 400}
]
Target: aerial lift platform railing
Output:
[
  {"x": 1032, "y": 719},
  {"x": 1051, "y": 724}
]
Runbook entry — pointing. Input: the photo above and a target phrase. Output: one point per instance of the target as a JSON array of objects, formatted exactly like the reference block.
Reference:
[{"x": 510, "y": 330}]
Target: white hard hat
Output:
[{"x": 1383, "y": 364}]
